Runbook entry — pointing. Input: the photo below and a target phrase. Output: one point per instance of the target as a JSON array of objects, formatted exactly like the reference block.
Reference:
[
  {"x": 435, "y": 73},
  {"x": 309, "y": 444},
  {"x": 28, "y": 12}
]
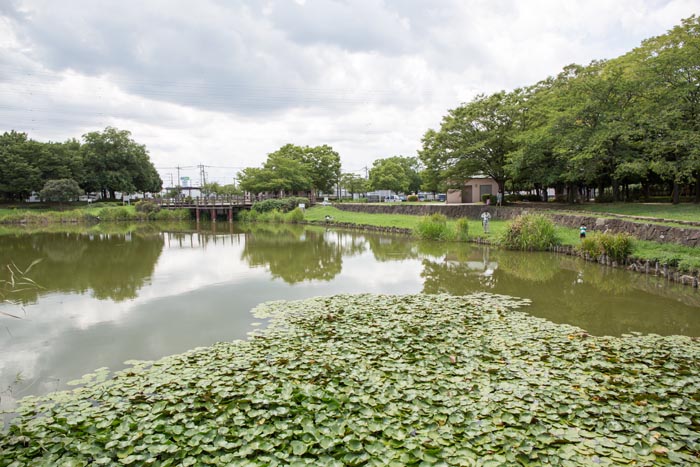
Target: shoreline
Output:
[{"x": 639, "y": 265}]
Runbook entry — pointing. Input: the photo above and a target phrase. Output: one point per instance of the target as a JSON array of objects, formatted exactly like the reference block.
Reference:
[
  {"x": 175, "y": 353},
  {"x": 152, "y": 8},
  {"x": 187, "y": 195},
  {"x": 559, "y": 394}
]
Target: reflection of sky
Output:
[{"x": 200, "y": 293}]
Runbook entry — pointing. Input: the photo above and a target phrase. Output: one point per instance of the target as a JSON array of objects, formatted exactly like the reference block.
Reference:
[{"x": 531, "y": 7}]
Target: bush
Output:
[
  {"x": 462, "y": 229},
  {"x": 412, "y": 198},
  {"x": 487, "y": 197},
  {"x": 248, "y": 216},
  {"x": 433, "y": 227},
  {"x": 147, "y": 206},
  {"x": 61, "y": 190},
  {"x": 591, "y": 246},
  {"x": 279, "y": 204},
  {"x": 275, "y": 216},
  {"x": 120, "y": 213},
  {"x": 617, "y": 246},
  {"x": 530, "y": 232},
  {"x": 295, "y": 216}
]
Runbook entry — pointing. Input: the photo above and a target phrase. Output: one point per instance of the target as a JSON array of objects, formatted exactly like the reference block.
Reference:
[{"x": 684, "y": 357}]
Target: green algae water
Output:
[{"x": 75, "y": 300}]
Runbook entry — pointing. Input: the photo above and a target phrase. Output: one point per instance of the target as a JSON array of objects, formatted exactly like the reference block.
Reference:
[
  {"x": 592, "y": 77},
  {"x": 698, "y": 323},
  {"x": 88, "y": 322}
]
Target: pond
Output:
[{"x": 97, "y": 298}]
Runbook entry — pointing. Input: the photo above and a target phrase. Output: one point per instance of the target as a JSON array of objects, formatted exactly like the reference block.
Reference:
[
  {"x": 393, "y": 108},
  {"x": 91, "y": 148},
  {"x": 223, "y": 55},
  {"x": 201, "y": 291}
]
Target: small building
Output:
[{"x": 472, "y": 190}]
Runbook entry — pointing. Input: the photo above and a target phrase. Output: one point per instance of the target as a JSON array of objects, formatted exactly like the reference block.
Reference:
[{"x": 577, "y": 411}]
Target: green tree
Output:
[
  {"x": 477, "y": 138},
  {"x": 115, "y": 162},
  {"x": 294, "y": 168},
  {"x": 323, "y": 164},
  {"x": 354, "y": 183},
  {"x": 61, "y": 190},
  {"x": 669, "y": 71},
  {"x": 389, "y": 174}
]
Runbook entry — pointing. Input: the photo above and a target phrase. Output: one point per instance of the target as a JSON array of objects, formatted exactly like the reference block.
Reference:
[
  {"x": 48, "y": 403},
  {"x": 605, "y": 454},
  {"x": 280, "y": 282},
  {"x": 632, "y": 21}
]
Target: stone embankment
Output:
[{"x": 687, "y": 236}]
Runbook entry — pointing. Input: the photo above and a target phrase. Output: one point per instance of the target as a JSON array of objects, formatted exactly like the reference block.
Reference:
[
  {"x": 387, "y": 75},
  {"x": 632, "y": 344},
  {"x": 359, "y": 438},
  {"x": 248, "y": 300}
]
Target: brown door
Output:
[{"x": 467, "y": 194}]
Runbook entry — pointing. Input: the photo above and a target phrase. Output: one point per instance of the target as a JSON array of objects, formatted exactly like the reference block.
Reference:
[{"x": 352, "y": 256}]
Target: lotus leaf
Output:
[{"x": 382, "y": 380}]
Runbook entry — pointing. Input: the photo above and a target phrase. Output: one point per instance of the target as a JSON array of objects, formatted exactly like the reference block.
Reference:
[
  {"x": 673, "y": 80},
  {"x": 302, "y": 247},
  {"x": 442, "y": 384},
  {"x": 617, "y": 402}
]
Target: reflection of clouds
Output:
[
  {"x": 383, "y": 276},
  {"x": 56, "y": 316}
]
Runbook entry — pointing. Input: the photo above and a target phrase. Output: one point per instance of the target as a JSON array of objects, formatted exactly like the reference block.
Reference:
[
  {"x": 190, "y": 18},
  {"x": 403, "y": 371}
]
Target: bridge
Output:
[{"x": 224, "y": 205}]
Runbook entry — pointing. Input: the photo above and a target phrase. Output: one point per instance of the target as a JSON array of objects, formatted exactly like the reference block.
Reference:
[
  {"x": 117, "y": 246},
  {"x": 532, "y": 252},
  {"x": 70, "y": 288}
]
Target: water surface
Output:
[{"x": 142, "y": 292}]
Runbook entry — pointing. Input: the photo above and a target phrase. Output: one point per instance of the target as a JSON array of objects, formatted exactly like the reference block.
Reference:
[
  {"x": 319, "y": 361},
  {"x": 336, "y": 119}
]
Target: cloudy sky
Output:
[{"x": 225, "y": 82}]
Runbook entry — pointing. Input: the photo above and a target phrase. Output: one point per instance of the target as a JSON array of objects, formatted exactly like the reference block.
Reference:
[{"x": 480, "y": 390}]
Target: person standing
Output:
[
  {"x": 499, "y": 198},
  {"x": 485, "y": 219},
  {"x": 582, "y": 231}
]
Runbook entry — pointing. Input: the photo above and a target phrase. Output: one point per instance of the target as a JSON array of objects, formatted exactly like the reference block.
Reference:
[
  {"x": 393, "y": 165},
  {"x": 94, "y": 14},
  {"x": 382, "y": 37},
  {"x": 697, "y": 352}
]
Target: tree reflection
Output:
[
  {"x": 293, "y": 253},
  {"x": 462, "y": 271},
  {"x": 392, "y": 248},
  {"x": 112, "y": 266}
]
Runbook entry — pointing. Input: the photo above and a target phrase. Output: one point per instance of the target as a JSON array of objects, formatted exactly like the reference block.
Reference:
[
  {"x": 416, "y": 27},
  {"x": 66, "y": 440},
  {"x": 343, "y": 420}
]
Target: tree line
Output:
[
  {"x": 624, "y": 126},
  {"x": 106, "y": 161}
]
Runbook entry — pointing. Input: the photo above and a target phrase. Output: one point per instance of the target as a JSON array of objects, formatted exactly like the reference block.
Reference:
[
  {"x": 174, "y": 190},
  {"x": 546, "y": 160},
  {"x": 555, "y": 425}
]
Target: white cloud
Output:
[{"x": 225, "y": 83}]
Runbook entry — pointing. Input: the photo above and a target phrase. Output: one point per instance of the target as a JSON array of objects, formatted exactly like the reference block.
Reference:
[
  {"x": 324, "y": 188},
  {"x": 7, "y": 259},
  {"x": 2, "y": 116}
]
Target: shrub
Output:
[
  {"x": 120, "y": 213},
  {"x": 530, "y": 232},
  {"x": 248, "y": 216},
  {"x": 274, "y": 216},
  {"x": 412, "y": 198},
  {"x": 61, "y": 190},
  {"x": 147, "y": 206},
  {"x": 487, "y": 197},
  {"x": 294, "y": 216},
  {"x": 591, "y": 246},
  {"x": 462, "y": 229},
  {"x": 279, "y": 204},
  {"x": 617, "y": 246},
  {"x": 433, "y": 227}
]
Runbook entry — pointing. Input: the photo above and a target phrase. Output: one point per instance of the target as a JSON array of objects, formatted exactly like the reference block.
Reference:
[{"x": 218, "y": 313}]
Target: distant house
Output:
[{"x": 472, "y": 190}]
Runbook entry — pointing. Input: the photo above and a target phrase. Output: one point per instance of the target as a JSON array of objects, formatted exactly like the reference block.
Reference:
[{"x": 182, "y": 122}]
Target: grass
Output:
[
  {"x": 404, "y": 221},
  {"x": 83, "y": 214},
  {"x": 680, "y": 212}
]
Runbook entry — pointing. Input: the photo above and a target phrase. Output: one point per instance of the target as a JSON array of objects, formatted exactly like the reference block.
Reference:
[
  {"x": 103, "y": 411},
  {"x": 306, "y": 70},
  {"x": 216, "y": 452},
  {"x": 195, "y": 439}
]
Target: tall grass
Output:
[
  {"x": 433, "y": 227},
  {"x": 462, "y": 229},
  {"x": 274, "y": 216},
  {"x": 616, "y": 246},
  {"x": 530, "y": 232}
]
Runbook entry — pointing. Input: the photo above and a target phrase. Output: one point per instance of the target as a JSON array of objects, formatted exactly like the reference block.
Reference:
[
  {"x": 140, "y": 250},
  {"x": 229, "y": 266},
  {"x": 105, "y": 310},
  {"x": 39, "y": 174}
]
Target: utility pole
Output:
[
  {"x": 178, "y": 175},
  {"x": 202, "y": 175}
]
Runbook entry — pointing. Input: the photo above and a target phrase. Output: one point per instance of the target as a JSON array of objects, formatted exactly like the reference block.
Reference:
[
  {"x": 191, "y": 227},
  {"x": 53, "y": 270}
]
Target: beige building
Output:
[{"x": 472, "y": 190}]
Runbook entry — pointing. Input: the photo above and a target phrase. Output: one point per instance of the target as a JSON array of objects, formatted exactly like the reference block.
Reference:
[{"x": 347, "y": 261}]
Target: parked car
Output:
[{"x": 392, "y": 199}]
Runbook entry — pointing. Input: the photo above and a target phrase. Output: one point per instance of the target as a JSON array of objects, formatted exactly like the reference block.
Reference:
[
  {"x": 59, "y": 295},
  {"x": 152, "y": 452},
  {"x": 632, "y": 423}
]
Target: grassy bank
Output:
[
  {"x": 687, "y": 259},
  {"x": 88, "y": 214},
  {"x": 679, "y": 212},
  {"x": 383, "y": 380}
]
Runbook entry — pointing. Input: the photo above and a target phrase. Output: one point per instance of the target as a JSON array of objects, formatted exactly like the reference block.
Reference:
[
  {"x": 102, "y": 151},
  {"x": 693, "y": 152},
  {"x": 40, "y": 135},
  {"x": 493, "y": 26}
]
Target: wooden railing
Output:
[{"x": 206, "y": 201}]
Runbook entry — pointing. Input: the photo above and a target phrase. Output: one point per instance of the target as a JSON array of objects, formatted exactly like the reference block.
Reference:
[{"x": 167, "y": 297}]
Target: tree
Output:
[
  {"x": 354, "y": 183},
  {"x": 61, "y": 190},
  {"x": 323, "y": 164},
  {"x": 669, "y": 71},
  {"x": 18, "y": 177},
  {"x": 389, "y": 174},
  {"x": 294, "y": 168},
  {"x": 115, "y": 162},
  {"x": 476, "y": 138}
]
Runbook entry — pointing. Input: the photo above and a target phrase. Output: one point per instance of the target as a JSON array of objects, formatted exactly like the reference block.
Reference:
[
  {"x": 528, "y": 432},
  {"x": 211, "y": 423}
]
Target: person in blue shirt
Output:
[{"x": 582, "y": 231}]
